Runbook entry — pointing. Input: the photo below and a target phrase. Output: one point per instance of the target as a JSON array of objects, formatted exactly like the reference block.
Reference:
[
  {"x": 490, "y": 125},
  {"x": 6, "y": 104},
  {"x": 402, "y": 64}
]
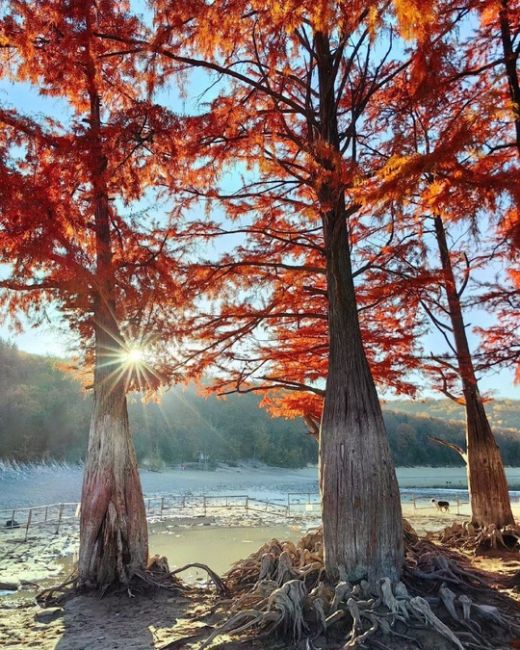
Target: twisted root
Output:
[
  {"x": 470, "y": 537},
  {"x": 284, "y": 591}
]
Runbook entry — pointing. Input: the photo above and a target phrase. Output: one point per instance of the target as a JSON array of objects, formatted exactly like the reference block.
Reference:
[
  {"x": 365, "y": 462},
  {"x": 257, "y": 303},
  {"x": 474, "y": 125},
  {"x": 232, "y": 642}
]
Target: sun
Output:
[{"x": 133, "y": 356}]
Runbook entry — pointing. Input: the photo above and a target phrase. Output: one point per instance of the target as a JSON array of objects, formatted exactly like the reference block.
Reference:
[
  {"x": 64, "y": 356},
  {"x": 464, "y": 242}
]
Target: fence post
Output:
[
  {"x": 59, "y": 518},
  {"x": 12, "y": 518},
  {"x": 247, "y": 503},
  {"x": 183, "y": 502},
  {"x": 162, "y": 505},
  {"x": 414, "y": 504},
  {"x": 46, "y": 512},
  {"x": 28, "y": 524}
]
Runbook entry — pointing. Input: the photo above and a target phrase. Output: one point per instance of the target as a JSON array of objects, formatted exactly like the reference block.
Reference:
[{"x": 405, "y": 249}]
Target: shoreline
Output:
[
  {"x": 144, "y": 620},
  {"x": 21, "y": 486},
  {"x": 197, "y": 499},
  {"x": 48, "y": 554}
]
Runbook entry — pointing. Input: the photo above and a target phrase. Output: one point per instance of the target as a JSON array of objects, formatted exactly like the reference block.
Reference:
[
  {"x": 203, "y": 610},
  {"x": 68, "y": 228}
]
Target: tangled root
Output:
[
  {"x": 58, "y": 594},
  {"x": 467, "y": 536},
  {"x": 156, "y": 575},
  {"x": 282, "y": 588}
]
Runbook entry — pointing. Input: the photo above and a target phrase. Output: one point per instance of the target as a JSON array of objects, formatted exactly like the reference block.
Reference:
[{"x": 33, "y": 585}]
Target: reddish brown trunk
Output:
[
  {"x": 489, "y": 494},
  {"x": 113, "y": 529},
  {"x": 487, "y": 484},
  {"x": 361, "y": 508},
  {"x": 362, "y": 526}
]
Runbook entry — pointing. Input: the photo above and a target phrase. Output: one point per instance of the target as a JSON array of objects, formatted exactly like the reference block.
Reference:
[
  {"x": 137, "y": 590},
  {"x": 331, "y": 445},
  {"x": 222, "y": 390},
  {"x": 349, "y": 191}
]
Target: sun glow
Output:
[
  {"x": 133, "y": 356},
  {"x": 132, "y": 362}
]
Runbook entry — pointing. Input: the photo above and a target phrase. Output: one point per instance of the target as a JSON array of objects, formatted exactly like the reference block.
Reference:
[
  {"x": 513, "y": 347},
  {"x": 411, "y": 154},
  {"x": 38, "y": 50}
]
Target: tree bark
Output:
[
  {"x": 510, "y": 62},
  {"x": 487, "y": 484},
  {"x": 361, "y": 507},
  {"x": 113, "y": 529}
]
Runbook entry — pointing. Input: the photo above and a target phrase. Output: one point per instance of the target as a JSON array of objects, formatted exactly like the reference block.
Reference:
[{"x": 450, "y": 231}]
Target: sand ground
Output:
[
  {"x": 151, "y": 620},
  {"x": 217, "y": 538}
]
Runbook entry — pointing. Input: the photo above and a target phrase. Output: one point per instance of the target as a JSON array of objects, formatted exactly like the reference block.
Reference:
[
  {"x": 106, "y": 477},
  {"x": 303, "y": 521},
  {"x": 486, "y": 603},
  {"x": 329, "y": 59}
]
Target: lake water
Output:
[
  {"x": 32, "y": 485},
  {"x": 219, "y": 548}
]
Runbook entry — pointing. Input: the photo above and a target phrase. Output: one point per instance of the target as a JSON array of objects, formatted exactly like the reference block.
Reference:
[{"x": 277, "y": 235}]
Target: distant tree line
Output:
[{"x": 44, "y": 413}]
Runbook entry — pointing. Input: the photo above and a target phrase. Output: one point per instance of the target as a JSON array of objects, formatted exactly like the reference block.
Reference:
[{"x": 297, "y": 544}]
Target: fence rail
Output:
[
  {"x": 157, "y": 507},
  {"x": 298, "y": 505}
]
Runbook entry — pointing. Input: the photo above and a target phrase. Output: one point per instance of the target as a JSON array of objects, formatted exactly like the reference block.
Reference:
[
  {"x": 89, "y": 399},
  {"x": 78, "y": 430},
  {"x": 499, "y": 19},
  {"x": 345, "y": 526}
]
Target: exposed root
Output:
[
  {"x": 217, "y": 581},
  {"x": 157, "y": 575},
  {"x": 467, "y": 536},
  {"x": 58, "y": 594},
  {"x": 282, "y": 589}
]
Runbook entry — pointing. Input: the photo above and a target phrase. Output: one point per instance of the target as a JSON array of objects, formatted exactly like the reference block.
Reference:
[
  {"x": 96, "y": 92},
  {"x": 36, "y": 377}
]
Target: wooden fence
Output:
[
  {"x": 299, "y": 505},
  {"x": 308, "y": 504},
  {"x": 56, "y": 515},
  {"x": 158, "y": 507}
]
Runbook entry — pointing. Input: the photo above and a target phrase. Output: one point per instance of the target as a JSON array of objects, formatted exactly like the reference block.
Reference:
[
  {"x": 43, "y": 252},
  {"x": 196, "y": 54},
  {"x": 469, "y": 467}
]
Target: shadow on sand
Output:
[{"x": 119, "y": 621}]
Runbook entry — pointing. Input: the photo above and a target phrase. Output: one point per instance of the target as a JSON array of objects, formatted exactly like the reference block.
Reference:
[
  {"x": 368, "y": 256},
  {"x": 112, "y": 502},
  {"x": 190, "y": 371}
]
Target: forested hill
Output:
[
  {"x": 44, "y": 413},
  {"x": 504, "y": 413}
]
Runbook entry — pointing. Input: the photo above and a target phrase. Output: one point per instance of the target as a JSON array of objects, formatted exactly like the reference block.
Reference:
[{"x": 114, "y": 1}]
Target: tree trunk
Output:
[
  {"x": 361, "y": 506},
  {"x": 113, "y": 529},
  {"x": 487, "y": 485},
  {"x": 510, "y": 62}
]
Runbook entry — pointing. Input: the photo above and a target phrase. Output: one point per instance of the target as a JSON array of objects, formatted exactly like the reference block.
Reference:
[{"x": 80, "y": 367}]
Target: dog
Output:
[
  {"x": 11, "y": 523},
  {"x": 442, "y": 506}
]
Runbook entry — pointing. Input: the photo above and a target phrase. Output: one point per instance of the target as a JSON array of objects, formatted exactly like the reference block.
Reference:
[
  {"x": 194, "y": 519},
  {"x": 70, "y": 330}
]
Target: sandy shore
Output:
[
  {"x": 118, "y": 622},
  {"x": 46, "y": 554},
  {"x": 86, "y": 622}
]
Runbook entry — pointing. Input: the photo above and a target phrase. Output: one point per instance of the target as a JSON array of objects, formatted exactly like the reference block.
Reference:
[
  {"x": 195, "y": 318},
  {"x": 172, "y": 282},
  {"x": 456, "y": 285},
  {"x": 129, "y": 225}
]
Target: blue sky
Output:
[{"x": 51, "y": 339}]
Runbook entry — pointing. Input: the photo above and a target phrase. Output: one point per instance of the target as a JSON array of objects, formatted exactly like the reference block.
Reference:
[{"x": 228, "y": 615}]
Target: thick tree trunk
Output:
[
  {"x": 487, "y": 484},
  {"x": 488, "y": 490},
  {"x": 362, "y": 526},
  {"x": 361, "y": 507},
  {"x": 113, "y": 529}
]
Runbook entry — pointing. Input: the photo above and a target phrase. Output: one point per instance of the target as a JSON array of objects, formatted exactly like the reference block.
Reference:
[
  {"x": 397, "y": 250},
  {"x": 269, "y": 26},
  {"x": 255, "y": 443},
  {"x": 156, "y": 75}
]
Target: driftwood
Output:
[{"x": 58, "y": 594}]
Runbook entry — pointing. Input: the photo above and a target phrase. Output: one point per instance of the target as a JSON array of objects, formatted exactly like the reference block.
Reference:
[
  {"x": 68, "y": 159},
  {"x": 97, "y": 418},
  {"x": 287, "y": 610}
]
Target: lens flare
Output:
[{"x": 133, "y": 356}]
